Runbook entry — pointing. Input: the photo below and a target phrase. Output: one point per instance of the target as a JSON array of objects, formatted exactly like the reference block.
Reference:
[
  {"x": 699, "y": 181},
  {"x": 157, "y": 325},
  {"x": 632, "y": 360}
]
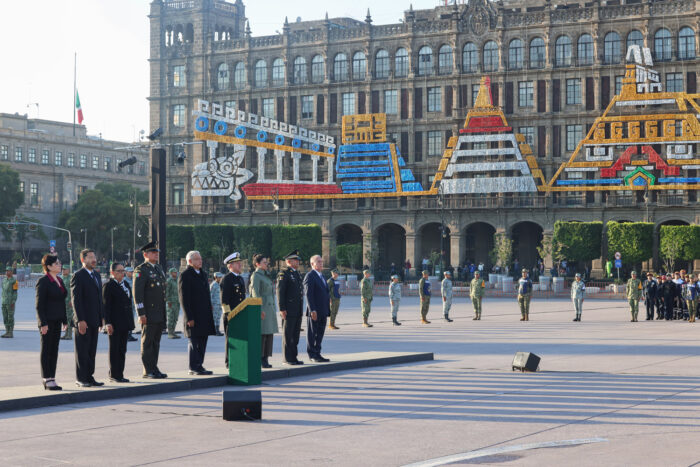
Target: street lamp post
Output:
[
  {"x": 85, "y": 241},
  {"x": 112, "y": 235},
  {"x": 441, "y": 204},
  {"x": 134, "y": 204}
]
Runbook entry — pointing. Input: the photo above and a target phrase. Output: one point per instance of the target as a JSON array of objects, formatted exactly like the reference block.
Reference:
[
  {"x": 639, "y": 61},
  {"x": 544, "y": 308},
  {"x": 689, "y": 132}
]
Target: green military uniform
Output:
[
  {"x": 334, "y": 294},
  {"x": 172, "y": 303},
  {"x": 149, "y": 299},
  {"x": 634, "y": 293},
  {"x": 446, "y": 292},
  {"x": 10, "y": 286},
  {"x": 476, "y": 293},
  {"x": 524, "y": 295},
  {"x": 424, "y": 294},
  {"x": 69, "y": 309},
  {"x": 366, "y": 292}
]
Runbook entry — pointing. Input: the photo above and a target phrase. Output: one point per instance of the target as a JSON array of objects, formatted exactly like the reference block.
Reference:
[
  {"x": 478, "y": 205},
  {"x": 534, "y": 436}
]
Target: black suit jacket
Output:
[
  {"x": 195, "y": 299},
  {"x": 86, "y": 294},
  {"x": 117, "y": 305},
  {"x": 232, "y": 290},
  {"x": 50, "y": 301},
  {"x": 290, "y": 292},
  {"x": 317, "y": 297}
]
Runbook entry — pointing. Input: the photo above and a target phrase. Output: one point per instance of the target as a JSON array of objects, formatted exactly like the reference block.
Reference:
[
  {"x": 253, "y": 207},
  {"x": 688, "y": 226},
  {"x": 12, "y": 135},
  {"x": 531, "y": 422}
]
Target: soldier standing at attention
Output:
[
  {"x": 690, "y": 295},
  {"x": 149, "y": 299},
  {"x": 215, "y": 291},
  {"x": 395, "y": 299},
  {"x": 172, "y": 302},
  {"x": 290, "y": 296},
  {"x": 649, "y": 292},
  {"x": 424, "y": 294},
  {"x": 129, "y": 279},
  {"x": 476, "y": 292},
  {"x": 578, "y": 291},
  {"x": 232, "y": 291},
  {"x": 65, "y": 277},
  {"x": 334, "y": 293},
  {"x": 634, "y": 293},
  {"x": 366, "y": 293},
  {"x": 667, "y": 292},
  {"x": 446, "y": 292},
  {"x": 524, "y": 295},
  {"x": 10, "y": 286}
]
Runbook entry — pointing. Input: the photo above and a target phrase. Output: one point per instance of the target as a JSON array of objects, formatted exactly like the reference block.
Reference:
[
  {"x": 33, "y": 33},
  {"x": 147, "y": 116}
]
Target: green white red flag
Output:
[{"x": 78, "y": 108}]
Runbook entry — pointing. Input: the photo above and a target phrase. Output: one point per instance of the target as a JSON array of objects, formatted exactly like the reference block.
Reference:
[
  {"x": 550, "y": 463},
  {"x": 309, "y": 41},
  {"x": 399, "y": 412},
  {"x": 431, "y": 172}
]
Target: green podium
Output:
[{"x": 244, "y": 343}]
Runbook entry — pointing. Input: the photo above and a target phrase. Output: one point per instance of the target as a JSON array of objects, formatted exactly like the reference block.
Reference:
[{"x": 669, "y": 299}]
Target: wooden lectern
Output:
[{"x": 244, "y": 343}]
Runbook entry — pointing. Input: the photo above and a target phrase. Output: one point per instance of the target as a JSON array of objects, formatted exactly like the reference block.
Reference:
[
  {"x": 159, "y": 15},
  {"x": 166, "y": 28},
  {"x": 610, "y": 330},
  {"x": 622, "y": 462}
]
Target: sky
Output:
[{"x": 111, "y": 39}]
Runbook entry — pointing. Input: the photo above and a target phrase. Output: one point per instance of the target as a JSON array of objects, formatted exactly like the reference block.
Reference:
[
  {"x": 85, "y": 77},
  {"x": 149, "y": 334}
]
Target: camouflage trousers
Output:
[
  {"x": 366, "y": 309},
  {"x": 173, "y": 311},
  {"x": 634, "y": 307},
  {"x": 8, "y": 316},
  {"x": 217, "y": 315},
  {"x": 524, "y": 303},
  {"x": 446, "y": 306},
  {"x": 424, "y": 306},
  {"x": 335, "y": 305},
  {"x": 69, "y": 318},
  {"x": 476, "y": 302}
]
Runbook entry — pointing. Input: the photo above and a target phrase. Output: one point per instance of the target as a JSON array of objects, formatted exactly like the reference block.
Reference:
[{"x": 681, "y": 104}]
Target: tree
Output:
[
  {"x": 549, "y": 248},
  {"x": 349, "y": 255},
  {"x": 578, "y": 241},
  {"x": 24, "y": 231},
  {"x": 632, "y": 239},
  {"x": 11, "y": 196},
  {"x": 679, "y": 242},
  {"x": 502, "y": 250}
]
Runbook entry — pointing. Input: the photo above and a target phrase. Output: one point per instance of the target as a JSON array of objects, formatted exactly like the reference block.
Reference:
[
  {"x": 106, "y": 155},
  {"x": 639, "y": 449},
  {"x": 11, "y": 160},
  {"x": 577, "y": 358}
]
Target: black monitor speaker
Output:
[
  {"x": 242, "y": 405},
  {"x": 526, "y": 361}
]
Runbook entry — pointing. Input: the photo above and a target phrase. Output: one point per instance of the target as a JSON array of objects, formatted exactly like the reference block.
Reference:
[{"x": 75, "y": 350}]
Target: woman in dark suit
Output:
[
  {"x": 51, "y": 315},
  {"x": 119, "y": 320}
]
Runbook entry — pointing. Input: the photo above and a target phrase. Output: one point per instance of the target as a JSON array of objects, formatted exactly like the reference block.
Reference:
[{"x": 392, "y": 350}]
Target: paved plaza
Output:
[{"x": 609, "y": 392}]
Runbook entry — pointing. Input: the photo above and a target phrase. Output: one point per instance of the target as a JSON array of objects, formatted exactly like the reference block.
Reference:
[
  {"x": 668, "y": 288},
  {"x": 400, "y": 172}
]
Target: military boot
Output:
[
  {"x": 8, "y": 334},
  {"x": 395, "y": 322},
  {"x": 7, "y": 331},
  {"x": 68, "y": 335},
  {"x": 523, "y": 317},
  {"x": 527, "y": 316},
  {"x": 172, "y": 335},
  {"x": 447, "y": 318},
  {"x": 478, "y": 317},
  {"x": 424, "y": 321},
  {"x": 365, "y": 324}
]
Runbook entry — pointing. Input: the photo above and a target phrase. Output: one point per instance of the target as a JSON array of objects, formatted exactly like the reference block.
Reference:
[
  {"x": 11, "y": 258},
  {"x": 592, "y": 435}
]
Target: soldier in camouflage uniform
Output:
[
  {"x": 66, "y": 277},
  {"x": 476, "y": 292},
  {"x": 334, "y": 294},
  {"x": 524, "y": 295},
  {"x": 366, "y": 292},
  {"x": 10, "y": 286},
  {"x": 395, "y": 299},
  {"x": 172, "y": 303},
  {"x": 634, "y": 293},
  {"x": 215, "y": 292},
  {"x": 424, "y": 294},
  {"x": 446, "y": 292}
]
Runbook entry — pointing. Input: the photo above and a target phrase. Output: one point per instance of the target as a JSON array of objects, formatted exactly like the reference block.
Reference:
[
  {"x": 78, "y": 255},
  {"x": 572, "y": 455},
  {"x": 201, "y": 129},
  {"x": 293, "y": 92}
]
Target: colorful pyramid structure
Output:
[{"x": 487, "y": 156}]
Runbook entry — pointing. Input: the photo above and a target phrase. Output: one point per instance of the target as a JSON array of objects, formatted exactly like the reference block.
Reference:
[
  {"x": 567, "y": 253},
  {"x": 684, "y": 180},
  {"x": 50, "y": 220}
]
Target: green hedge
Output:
[
  {"x": 216, "y": 241},
  {"x": 579, "y": 241},
  {"x": 633, "y": 240},
  {"x": 680, "y": 241}
]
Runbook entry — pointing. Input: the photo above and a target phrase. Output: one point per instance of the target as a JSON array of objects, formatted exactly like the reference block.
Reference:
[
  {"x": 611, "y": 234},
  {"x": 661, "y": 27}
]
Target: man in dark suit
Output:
[
  {"x": 232, "y": 290},
  {"x": 195, "y": 299},
  {"x": 149, "y": 299},
  {"x": 119, "y": 321},
  {"x": 290, "y": 296},
  {"x": 317, "y": 308},
  {"x": 86, "y": 294}
]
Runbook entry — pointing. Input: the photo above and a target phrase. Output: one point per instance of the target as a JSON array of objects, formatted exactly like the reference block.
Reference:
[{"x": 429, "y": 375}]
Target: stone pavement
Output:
[{"x": 609, "y": 392}]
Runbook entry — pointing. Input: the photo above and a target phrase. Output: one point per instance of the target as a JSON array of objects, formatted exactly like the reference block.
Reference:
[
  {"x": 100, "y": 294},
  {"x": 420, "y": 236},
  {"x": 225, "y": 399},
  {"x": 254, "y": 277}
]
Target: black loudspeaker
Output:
[
  {"x": 242, "y": 405},
  {"x": 526, "y": 361}
]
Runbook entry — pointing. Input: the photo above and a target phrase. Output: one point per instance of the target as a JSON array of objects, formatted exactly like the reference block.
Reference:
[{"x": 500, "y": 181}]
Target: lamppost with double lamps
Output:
[{"x": 111, "y": 231}]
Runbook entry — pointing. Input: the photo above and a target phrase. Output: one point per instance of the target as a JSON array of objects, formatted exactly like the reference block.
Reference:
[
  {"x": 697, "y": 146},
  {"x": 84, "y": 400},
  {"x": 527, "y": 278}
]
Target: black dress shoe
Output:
[
  {"x": 151, "y": 375},
  {"x": 131, "y": 339},
  {"x": 320, "y": 360},
  {"x": 160, "y": 375},
  {"x": 83, "y": 384},
  {"x": 202, "y": 372},
  {"x": 118, "y": 380},
  {"x": 97, "y": 383},
  {"x": 296, "y": 362}
]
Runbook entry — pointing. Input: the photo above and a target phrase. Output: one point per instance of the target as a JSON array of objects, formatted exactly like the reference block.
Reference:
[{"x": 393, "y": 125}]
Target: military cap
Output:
[
  {"x": 366, "y": 271},
  {"x": 477, "y": 272},
  {"x": 447, "y": 273},
  {"x": 524, "y": 270},
  {"x": 218, "y": 274},
  {"x": 394, "y": 276},
  {"x": 669, "y": 275},
  {"x": 129, "y": 269},
  {"x": 424, "y": 272},
  {"x": 335, "y": 271},
  {"x": 232, "y": 258},
  {"x": 293, "y": 255},
  {"x": 9, "y": 268},
  {"x": 150, "y": 246},
  {"x": 650, "y": 274},
  {"x": 172, "y": 270},
  {"x": 65, "y": 266},
  {"x": 578, "y": 274},
  {"x": 633, "y": 273}
]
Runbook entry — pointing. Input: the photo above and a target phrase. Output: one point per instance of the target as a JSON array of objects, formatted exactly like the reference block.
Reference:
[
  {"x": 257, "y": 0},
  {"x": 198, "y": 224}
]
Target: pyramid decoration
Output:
[
  {"x": 487, "y": 156},
  {"x": 645, "y": 140}
]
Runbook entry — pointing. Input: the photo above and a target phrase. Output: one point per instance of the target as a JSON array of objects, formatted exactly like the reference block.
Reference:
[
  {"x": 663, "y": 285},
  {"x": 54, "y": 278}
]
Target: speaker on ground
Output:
[
  {"x": 242, "y": 405},
  {"x": 526, "y": 361}
]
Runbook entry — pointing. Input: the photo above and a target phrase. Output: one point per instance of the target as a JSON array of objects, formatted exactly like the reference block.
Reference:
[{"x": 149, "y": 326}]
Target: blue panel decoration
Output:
[
  {"x": 608, "y": 181},
  {"x": 296, "y": 143},
  {"x": 331, "y": 150},
  {"x": 262, "y": 136},
  {"x": 676, "y": 180},
  {"x": 402, "y": 163},
  {"x": 315, "y": 147},
  {"x": 413, "y": 186},
  {"x": 279, "y": 140},
  {"x": 220, "y": 127},
  {"x": 240, "y": 131},
  {"x": 407, "y": 175},
  {"x": 201, "y": 124},
  {"x": 639, "y": 181}
]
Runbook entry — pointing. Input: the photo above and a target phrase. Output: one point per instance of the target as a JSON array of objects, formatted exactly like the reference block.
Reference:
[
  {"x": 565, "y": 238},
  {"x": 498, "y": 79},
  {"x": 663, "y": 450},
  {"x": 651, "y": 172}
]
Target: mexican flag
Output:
[{"x": 78, "y": 108}]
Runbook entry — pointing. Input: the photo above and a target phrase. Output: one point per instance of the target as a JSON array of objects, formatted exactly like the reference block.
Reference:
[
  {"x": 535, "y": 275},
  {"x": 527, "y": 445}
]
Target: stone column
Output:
[
  {"x": 328, "y": 246},
  {"x": 411, "y": 251},
  {"x": 261, "y": 164},
  {"x": 368, "y": 242},
  {"x": 331, "y": 164},
  {"x": 295, "y": 157},
  {"x": 455, "y": 249},
  {"x": 280, "y": 157},
  {"x": 314, "y": 170},
  {"x": 548, "y": 260}
]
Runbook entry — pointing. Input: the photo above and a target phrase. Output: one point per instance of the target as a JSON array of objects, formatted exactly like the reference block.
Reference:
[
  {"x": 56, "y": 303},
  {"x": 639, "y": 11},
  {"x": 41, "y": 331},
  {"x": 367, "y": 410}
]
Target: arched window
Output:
[
  {"x": 260, "y": 74},
  {"x": 222, "y": 77},
  {"x": 635, "y": 38},
  {"x": 340, "y": 67},
  {"x": 300, "y": 70},
  {"x": 318, "y": 69},
  {"x": 686, "y": 44},
  {"x": 611, "y": 48},
  {"x": 490, "y": 56},
  {"x": 470, "y": 58},
  {"x": 662, "y": 45},
  {"x": 239, "y": 76},
  {"x": 585, "y": 50},
  {"x": 538, "y": 58},
  {"x": 189, "y": 33},
  {"x": 425, "y": 61},
  {"x": 516, "y": 51},
  {"x": 381, "y": 64},
  {"x": 359, "y": 66},
  {"x": 401, "y": 63},
  {"x": 562, "y": 51},
  {"x": 278, "y": 72},
  {"x": 445, "y": 60}
]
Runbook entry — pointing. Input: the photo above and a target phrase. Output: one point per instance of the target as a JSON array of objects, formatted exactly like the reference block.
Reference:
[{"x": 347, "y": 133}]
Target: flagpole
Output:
[{"x": 75, "y": 68}]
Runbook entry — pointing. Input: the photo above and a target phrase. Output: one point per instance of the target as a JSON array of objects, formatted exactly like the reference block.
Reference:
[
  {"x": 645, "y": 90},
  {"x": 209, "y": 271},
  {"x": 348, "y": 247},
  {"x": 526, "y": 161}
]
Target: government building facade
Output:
[{"x": 553, "y": 66}]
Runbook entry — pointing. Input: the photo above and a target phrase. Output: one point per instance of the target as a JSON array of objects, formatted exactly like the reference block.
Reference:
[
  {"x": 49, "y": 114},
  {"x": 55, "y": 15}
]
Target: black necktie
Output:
[{"x": 94, "y": 277}]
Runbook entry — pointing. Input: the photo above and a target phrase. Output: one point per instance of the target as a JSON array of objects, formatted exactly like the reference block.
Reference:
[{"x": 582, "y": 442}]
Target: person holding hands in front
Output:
[
  {"x": 119, "y": 321},
  {"x": 51, "y": 315}
]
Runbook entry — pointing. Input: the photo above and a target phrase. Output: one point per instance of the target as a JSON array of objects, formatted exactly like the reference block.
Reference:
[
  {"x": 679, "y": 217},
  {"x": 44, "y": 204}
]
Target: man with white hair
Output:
[
  {"x": 195, "y": 299},
  {"x": 317, "y": 308}
]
